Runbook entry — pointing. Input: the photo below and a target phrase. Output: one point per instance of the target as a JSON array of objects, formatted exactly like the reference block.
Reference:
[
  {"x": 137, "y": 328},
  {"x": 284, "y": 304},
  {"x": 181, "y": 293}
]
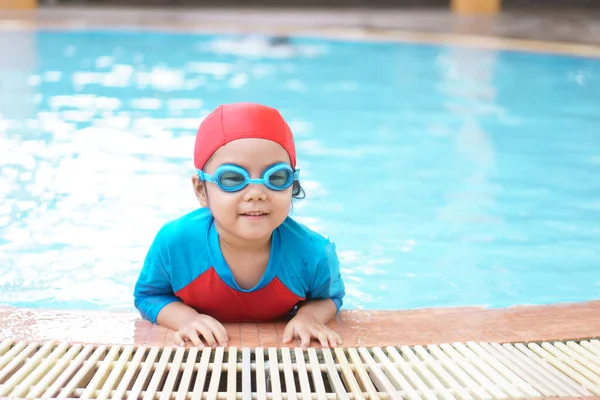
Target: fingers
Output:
[
  {"x": 223, "y": 331},
  {"x": 321, "y": 336},
  {"x": 211, "y": 330},
  {"x": 206, "y": 333},
  {"x": 305, "y": 337},
  {"x": 288, "y": 333},
  {"x": 326, "y": 337},
  {"x": 178, "y": 339},
  {"x": 219, "y": 332},
  {"x": 333, "y": 338},
  {"x": 337, "y": 338},
  {"x": 192, "y": 336}
]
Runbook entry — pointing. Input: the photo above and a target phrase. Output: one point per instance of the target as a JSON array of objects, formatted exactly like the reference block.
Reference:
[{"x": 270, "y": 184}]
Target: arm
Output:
[
  {"x": 324, "y": 302},
  {"x": 156, "y": 301},
  {"x": 153, "y": 290},
  {"x": 322, "y": 311},
  {"x": 187, "y": 323},
  {"x": 176, "y": 315},
  {"x": 327, "y": 288}
]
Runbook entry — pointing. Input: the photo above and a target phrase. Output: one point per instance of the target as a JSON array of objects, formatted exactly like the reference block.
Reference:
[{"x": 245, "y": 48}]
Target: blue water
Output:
[{"x": 447, "y": 176}]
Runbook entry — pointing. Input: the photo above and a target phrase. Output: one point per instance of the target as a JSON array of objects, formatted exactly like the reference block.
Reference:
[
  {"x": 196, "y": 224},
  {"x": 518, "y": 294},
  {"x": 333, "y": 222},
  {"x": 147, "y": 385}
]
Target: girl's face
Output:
[{"x": 250, "y": 214}]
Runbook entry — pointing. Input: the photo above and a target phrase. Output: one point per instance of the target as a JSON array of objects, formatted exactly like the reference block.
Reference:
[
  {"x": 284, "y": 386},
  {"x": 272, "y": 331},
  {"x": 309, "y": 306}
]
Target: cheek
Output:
[
  {"x": 282, "y": 201},
  {"x": 221, "y": 204}
]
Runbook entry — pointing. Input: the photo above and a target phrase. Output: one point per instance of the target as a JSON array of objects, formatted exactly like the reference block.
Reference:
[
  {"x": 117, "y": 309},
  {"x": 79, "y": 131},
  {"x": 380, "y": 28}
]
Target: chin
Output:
[{"x": 254, "y": 233}]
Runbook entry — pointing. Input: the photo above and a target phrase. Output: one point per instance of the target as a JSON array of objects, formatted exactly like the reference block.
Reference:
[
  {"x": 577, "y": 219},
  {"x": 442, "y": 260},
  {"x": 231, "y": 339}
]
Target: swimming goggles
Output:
[{"x": 232, "y": 178}]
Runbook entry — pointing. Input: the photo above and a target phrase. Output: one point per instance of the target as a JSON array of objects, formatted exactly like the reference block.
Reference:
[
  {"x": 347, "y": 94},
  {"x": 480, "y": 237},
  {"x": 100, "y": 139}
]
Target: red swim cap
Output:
[{"x": 230, "y": 122}]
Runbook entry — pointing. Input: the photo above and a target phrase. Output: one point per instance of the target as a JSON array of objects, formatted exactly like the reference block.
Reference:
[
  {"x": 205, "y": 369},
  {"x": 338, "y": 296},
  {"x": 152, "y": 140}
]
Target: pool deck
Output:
[
  {"x": 569, "y": 31},
  {"x": 358, "y": 328},
  {"x": 564, "y": 32}
]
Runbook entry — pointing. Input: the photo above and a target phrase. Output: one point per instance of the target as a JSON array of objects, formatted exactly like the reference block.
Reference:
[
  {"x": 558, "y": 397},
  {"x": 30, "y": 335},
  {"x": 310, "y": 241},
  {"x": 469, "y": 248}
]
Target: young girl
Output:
[{"x": 241, "y": 257}]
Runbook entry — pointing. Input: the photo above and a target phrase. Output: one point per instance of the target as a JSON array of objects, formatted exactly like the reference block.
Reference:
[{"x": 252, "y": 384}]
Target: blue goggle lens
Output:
[
  {"x": 232, "y": 178},
  {"x": 282, "y": 178}
]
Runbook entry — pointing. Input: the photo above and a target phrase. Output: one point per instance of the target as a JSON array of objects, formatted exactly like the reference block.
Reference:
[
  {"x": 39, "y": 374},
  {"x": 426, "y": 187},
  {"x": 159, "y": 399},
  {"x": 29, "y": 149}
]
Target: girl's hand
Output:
[
  {"x": 202, "y": 326},
  {"x": 306, "y": 327}
]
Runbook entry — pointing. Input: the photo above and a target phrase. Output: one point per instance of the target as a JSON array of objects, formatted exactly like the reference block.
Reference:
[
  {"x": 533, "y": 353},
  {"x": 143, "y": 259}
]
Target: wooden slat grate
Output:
[{"x": 449, "y": 371}]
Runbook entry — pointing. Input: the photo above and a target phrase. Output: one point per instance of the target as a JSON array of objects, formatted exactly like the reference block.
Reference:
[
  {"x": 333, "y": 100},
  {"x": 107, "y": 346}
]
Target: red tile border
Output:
[{"x": 357, "y": 327}]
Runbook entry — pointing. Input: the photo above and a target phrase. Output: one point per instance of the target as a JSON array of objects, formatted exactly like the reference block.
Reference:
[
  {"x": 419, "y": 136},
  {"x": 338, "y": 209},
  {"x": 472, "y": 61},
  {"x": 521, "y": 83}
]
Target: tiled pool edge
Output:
[
  {"x": 378, "y": 26},
  {"x": 359, "y": 328}
]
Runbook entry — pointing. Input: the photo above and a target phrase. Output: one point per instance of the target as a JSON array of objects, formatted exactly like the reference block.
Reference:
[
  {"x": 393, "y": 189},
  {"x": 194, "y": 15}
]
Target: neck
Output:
[{"x": 235, "y": 244}]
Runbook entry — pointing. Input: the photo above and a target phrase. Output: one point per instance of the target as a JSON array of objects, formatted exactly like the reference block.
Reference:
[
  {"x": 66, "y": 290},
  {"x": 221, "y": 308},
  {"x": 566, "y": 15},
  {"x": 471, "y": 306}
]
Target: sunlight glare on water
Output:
[{"x": 446, "y": 176}]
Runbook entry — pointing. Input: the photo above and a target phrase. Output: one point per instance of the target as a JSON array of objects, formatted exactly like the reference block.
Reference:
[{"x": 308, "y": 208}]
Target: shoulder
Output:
[
  {"x": 305, "y": 257},
  {"x": 185, "y": 227},
  {"x": 180, "y": 243},
  {"x": 297, "y": 237},
  {"x": 182, "y": 235},
  {"x": 183, "y": 242}
]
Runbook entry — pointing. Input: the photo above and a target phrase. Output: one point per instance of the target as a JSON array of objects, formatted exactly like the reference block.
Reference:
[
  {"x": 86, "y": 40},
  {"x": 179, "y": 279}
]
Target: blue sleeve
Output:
[
  {"x": 328, "y": 282},
  {"x": 153, "y": 289}
]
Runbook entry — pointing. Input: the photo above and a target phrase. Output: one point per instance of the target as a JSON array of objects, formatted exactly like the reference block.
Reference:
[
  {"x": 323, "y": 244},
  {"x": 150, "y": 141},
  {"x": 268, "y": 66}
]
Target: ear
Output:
[{"x": 199, "y": 190}]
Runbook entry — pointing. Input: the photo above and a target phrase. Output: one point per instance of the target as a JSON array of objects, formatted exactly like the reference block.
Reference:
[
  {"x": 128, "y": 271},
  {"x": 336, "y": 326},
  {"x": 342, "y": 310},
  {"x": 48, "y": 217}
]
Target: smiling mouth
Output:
[{"x": 254, "y": 214}]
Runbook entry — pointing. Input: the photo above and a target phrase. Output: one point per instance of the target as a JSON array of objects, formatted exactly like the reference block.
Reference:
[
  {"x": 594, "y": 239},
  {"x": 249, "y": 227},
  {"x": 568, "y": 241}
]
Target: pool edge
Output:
[
  {"x": 359, "y": 328},
  {"x": 351, "y": 27}
]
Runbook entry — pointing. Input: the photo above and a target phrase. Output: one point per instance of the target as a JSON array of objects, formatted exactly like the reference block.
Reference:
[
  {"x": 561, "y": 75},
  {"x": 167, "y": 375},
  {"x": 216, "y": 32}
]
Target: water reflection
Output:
[
  {"x": 95, "y": 157},
  {"x": 439, "y": 181},
  {"x": 468, "y": 209}
]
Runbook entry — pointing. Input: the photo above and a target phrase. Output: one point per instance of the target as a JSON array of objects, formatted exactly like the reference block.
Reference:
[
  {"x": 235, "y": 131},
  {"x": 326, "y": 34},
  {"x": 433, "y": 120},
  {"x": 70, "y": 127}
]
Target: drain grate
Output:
[{"x": 450, "y": 371}]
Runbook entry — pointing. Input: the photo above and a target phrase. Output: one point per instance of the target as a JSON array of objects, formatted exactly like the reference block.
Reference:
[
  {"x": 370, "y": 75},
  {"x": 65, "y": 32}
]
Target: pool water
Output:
[{"x": 447, "y": 176}]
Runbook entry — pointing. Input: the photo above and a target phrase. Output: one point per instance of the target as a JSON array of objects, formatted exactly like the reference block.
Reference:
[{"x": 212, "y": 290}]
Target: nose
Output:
[{"x": 254, "y": 192}]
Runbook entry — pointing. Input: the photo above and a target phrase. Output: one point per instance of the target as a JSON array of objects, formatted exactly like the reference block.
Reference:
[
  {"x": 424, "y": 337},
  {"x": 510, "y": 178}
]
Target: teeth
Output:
[{"x": 255, "y": 214}]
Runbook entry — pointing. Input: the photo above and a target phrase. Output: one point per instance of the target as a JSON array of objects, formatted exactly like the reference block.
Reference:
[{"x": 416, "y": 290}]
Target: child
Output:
[{"x": 241, "y": 257}]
